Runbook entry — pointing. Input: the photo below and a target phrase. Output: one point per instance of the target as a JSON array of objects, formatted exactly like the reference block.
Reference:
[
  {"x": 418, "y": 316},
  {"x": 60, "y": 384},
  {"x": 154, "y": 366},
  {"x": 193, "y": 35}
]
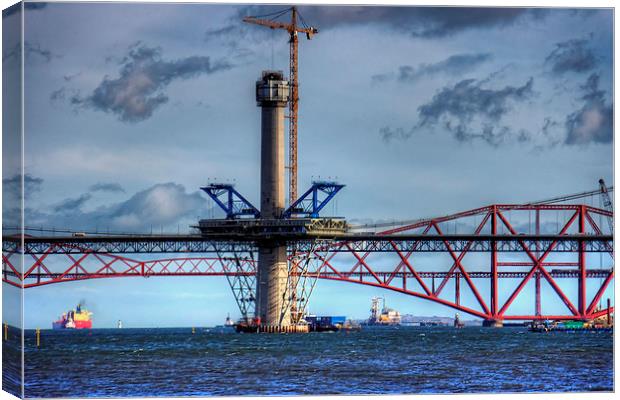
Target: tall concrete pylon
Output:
[{"x": 272, "y": 95}]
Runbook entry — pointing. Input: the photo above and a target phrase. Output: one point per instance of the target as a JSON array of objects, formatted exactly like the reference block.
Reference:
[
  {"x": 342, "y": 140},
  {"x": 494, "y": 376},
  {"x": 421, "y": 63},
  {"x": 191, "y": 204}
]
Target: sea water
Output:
[{"x": 397, "y": 360}]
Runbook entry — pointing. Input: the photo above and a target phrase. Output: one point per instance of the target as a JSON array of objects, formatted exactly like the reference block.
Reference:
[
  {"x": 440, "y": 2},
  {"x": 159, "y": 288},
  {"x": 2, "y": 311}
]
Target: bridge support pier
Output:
[
  {"x": 493, "y": 323},
  {"x": 271, "y": 282}
]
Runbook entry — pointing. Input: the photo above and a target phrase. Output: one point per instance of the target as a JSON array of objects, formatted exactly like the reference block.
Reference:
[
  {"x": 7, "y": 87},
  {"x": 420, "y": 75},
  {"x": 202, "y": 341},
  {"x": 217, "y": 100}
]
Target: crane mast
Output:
[
  {"x": 607, "y": 203},
  {"x": 293, "y": 107},
  {"x": 293, "y": 28}
]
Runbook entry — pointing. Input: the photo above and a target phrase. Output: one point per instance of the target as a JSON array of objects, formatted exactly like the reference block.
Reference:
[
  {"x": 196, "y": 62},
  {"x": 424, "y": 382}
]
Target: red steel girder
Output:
[{"x": 86, "y": 264}]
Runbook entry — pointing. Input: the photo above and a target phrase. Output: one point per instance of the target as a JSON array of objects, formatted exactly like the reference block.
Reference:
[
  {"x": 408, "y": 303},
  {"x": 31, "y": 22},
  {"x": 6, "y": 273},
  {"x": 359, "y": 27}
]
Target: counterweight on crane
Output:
[{"x": 293, "y": 28}]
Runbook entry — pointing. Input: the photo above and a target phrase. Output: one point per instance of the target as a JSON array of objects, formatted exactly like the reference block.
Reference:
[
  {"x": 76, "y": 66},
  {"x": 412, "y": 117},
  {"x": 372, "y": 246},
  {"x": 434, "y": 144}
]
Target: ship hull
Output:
[
  {"x": 83, "y": 324},
  {"x": 78, "y": 325}
]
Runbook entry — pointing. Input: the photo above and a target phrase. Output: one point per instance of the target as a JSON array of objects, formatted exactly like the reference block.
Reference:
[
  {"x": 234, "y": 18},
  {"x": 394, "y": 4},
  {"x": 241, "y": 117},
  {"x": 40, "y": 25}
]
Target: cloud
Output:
[
  {"x": 165, "y": 205},
  {"x": 552, "y": 132},
  {"x": 70, "y": 77},
  {"x": 12, "y": 187},
  {"x": 139, "y": 89},
  {"x": 30, "y": 50},
  {"x": 36, "y": 49},
  {"x": 58, "y": 95},
  {"x": 162, "y": 204},
  {"x": 106, "y": 187},
  {"x": 572, "y": 56},
  {"x": 381, "y": 78},
  {"x": 35, "y": 5},
  {"x": 455, "y": 65},
  {"x": 12, "y": 197},
  {"x": 238, "y": 37},
  {"x": 469, "y": 111},
  {"x": 468, "y": 99},
  {"x": 72, "y": 205},
  {"x": 219, "y": 33},
  {"x": 594, "y": 121},
  {"x": 28, "y": 6},
  {"x": 424, "y": 22}
]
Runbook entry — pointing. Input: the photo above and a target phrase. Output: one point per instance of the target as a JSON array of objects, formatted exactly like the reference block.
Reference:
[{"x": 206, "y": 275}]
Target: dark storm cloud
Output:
[
  {"x": 469, "y": 111},
  {"x": 72, "y": 205},
  {"x": 574, "y": 55},
  {"x": 138, "y": 90},
  {"x": 106, "y": 187},
  {"x": 454, "y": 65},
  {"x": 594, "y": 121},
  {"x": 426, "y": 22}
]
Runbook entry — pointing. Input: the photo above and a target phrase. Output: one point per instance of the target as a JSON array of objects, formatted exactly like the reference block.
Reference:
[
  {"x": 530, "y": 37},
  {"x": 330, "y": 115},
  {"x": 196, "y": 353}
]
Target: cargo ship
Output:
[
  {"x": 387, "y": 316},
  {"x": 80, "y": 318}
]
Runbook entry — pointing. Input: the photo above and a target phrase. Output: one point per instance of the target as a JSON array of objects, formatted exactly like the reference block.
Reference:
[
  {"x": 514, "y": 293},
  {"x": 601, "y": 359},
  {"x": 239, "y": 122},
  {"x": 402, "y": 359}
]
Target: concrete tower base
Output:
[{"x": 272, "y": 280}]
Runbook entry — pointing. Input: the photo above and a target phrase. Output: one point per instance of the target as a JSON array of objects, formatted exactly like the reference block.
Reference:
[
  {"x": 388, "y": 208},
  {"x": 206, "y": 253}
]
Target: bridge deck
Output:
[{"x": 304, "y": 243}]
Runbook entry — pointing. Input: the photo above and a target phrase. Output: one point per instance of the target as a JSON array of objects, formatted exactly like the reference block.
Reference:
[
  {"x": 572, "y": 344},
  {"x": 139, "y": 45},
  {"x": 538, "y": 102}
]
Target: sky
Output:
[{"x": 420, "y": 111}]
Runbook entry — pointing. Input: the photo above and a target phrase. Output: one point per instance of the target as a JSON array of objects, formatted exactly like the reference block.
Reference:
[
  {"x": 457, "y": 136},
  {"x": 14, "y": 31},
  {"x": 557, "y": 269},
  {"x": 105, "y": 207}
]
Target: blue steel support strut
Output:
[
  {"x": 309, "y": 204},
  {"x": 236, "y": 205}
]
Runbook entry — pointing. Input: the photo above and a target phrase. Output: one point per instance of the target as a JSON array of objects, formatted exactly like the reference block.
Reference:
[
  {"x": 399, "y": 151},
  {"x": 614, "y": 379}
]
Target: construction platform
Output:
[
  {"x": 244, "y": 328},
  {"x": 260, "y": 228}
]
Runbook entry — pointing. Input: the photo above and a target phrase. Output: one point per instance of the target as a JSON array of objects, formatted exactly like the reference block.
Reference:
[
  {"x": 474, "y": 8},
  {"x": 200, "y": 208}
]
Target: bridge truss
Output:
[{"x": 478, "y": 262}]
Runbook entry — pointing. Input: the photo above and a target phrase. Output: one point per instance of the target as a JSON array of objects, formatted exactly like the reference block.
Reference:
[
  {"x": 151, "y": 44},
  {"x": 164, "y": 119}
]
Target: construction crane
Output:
[
  {"x": 607, "y": 203},
  {"x": 293, "y": 28}
]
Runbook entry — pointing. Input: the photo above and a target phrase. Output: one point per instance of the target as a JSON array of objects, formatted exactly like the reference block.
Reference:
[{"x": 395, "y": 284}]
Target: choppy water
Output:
[{"x": 175, "y": 362}]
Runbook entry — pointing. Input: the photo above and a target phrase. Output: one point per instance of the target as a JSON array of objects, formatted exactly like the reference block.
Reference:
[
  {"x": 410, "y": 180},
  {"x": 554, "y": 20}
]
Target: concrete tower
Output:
[{"x": 272, "y": 95}]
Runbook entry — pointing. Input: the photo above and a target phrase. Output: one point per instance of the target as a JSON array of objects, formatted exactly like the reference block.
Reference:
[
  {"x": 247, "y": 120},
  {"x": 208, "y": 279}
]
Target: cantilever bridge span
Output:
[{"x": 478, "y": 262}]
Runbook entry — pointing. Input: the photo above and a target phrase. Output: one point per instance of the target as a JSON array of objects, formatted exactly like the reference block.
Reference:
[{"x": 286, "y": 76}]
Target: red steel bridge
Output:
[{"x": 477, "y": 262}]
